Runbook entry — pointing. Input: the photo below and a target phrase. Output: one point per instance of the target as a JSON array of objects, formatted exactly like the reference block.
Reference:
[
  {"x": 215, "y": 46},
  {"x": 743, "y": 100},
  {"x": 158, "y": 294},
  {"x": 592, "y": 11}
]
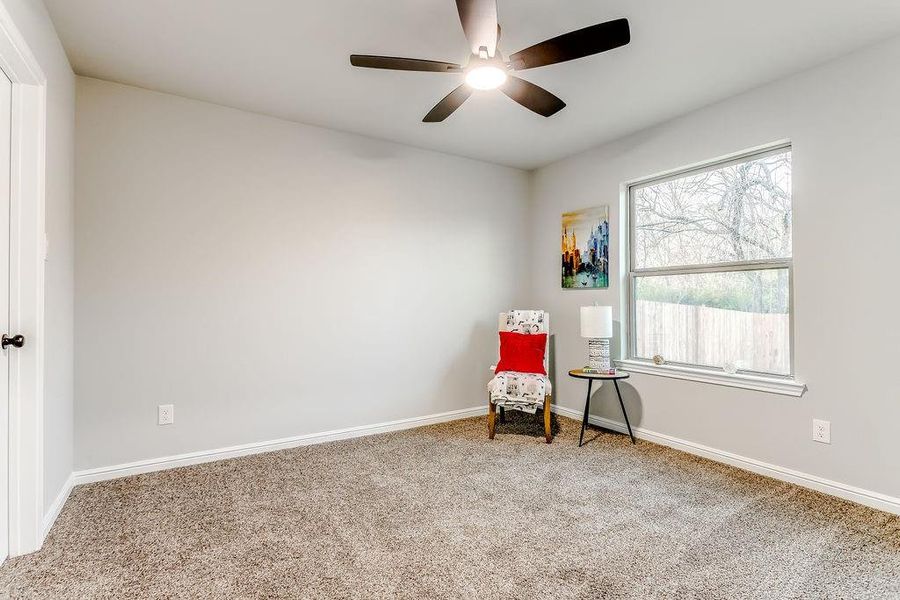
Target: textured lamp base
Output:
[{"x": 598, "y": 354}]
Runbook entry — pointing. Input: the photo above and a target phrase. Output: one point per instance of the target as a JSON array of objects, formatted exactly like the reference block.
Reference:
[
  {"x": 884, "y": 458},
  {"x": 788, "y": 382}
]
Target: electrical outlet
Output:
[
  {"x": 822, "y": 431},
  {"x": 166, "y": 414}
]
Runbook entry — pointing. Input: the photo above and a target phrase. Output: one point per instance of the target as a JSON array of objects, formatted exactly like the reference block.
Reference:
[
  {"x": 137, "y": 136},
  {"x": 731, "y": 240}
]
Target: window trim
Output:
[
  {"x": 770, "y": 382},
  {"x": 773, "y": 384}
]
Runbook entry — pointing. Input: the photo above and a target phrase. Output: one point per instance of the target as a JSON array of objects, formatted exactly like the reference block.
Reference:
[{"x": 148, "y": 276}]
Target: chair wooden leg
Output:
[
  {"x": 547, "y": 433},
  {"x": 492, "y": 415}
]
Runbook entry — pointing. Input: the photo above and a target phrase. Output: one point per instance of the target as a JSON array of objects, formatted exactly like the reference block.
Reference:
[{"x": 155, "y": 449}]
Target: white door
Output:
[{"x": 5, "y": 119}]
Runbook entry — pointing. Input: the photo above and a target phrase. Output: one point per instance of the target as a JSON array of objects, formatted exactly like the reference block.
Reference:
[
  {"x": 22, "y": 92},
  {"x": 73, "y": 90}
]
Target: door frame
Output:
[{"x": 27, "y": 253}]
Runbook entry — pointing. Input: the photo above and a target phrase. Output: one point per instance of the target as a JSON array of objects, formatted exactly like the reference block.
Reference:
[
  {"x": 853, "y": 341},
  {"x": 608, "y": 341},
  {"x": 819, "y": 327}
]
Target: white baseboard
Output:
[
  {"x": 194, "y": 458},
  {"x": 833, "y": 488},
  {"x": 854, "y": 494},
  {"x": 55, "y": 508}
]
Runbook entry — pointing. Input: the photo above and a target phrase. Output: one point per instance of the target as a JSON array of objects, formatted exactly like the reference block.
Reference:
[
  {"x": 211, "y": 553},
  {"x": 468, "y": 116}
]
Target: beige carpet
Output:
[{"x": 441, "y": 512}]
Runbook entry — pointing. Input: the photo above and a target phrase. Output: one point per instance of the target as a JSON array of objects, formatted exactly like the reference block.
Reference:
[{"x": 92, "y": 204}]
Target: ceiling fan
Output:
[{"x": 486, "y": 69}]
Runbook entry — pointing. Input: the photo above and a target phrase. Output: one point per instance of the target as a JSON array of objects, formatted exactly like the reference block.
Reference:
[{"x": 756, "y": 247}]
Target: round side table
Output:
[{"x": 591, "y": 377}]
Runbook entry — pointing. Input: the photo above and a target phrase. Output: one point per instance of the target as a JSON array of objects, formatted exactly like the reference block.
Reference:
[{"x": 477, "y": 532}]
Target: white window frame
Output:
[{"x": 767, "y": 382}]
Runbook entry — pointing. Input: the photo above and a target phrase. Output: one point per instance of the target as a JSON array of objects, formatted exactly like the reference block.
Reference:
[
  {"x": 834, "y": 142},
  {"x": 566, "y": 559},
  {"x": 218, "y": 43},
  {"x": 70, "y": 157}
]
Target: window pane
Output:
[
  {"x": 735, "y": 213},
  {"x": 737, "y": 318}
]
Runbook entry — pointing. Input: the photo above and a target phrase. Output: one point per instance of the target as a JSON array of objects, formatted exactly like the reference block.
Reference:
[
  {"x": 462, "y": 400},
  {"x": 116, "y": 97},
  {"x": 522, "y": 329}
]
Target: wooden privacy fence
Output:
[{"x": 701, "y": 335}]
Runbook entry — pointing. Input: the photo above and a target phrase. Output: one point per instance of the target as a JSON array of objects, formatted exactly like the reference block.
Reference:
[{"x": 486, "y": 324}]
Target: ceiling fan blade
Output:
[
  {"x": 403, "y": 64},
  {"x": 572, "y": 45},
  {"x": 532, "y": 97},
  {"x": 479, "y": 23},
  {"x": 450, "y": 103}
]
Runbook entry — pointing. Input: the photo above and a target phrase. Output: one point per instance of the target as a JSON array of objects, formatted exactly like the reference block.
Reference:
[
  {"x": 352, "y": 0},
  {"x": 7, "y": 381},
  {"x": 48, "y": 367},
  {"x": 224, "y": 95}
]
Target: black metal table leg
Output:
[
  {"x": 502, "y": 415},
  {"x": 624, "y": 414},
  {"x": 587, "y": 408}
]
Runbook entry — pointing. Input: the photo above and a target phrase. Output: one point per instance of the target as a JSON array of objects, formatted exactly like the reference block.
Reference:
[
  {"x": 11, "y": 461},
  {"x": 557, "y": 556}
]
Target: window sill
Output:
[{"x": 759, "y": 383}]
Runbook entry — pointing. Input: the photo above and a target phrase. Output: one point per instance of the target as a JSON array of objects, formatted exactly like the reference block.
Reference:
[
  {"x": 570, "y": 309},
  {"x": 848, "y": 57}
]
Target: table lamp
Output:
[{"x": 597, "y": 326}]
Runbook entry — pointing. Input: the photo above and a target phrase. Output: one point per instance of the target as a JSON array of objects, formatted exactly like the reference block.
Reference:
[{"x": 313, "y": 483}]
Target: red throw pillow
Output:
[{"x": 522, "y": 352}]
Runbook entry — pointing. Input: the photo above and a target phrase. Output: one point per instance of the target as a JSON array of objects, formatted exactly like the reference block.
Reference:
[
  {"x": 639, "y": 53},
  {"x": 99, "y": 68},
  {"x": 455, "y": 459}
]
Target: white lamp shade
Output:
[{"x": 596, "y": 322}]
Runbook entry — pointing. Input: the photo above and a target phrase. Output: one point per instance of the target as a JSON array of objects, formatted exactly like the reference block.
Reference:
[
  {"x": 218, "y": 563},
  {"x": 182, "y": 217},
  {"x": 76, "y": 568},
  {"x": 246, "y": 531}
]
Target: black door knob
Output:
[{"x": 17, "y": 340}]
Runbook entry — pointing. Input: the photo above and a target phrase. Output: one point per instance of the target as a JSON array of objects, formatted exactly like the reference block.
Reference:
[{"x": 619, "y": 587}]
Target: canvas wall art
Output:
[{"x": 585, "y": 248}]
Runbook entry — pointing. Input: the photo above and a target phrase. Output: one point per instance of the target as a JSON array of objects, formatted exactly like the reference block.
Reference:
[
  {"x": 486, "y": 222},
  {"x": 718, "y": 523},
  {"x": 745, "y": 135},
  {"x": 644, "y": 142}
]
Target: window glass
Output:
[
  {"x": 739, "y": 212},
  {"x": 734, "y": 319}
]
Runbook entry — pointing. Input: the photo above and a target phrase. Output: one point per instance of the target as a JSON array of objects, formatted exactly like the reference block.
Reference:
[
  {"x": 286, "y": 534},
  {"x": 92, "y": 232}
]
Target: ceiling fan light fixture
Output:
[{"x": 486, "y": 77}]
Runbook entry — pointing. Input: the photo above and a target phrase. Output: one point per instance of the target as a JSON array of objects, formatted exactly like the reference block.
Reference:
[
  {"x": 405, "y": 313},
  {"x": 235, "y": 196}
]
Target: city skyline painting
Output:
[{"x": 585, "y": 248}]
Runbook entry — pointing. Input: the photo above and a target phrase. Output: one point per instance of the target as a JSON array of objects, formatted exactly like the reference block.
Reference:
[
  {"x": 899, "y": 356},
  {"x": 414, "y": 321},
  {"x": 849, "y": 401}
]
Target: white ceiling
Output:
[{"x": 290, "y": 59}]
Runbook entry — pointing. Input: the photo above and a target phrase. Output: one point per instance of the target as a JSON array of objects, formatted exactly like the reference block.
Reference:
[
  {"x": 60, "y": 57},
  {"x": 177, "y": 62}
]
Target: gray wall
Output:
[
  {"x": 845, "y": 127},
  {"x": 237, "y": 265},
  {"x": 32, "y": 20},
  {"x": 272, "y": 279}
]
